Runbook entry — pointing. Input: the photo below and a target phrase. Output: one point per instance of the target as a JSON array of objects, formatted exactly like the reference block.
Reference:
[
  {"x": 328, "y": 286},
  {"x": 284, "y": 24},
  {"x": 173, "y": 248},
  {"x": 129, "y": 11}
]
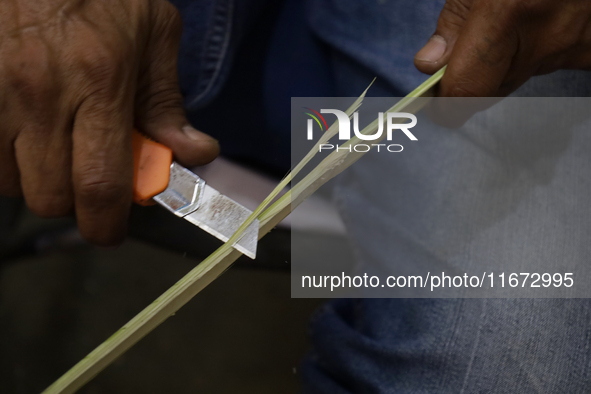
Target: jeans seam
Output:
[{"x": 226, "y": 25}]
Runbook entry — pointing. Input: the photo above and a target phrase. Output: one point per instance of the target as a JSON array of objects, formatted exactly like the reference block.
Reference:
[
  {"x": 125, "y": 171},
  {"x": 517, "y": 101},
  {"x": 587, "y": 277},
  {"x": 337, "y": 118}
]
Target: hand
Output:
[
  {"x": 494, "y": 46},
  {"x": 75, "y": 78}
]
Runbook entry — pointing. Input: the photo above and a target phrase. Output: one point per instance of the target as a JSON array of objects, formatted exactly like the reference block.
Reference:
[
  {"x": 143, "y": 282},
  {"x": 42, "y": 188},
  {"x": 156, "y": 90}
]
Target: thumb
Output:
[
  {"x": 436, "y": 53},
  {"x": 159, "y": 103}
]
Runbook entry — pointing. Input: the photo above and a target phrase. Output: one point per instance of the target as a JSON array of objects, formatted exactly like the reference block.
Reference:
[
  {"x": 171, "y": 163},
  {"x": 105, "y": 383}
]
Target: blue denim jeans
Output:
[
  {"x": 417, "y": 345},
  {"x": 434, "y": 345},
  {"x": 212, "y": 31}
]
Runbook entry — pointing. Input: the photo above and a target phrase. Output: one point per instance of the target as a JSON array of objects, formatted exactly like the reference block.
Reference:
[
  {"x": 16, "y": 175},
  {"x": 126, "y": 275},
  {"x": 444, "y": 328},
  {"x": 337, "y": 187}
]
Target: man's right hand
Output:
[{"x": 75, "y": 78}]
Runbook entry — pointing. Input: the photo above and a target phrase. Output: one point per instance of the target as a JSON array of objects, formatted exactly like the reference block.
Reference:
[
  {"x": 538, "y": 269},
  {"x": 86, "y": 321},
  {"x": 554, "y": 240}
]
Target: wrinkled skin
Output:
[
  {"x": 494, "y": 46},
  {"x": 75, "y": 78}
]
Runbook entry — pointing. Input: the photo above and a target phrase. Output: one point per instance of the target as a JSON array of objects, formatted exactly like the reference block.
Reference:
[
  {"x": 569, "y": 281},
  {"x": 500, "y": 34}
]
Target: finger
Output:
[
  {"x": 42, "y": 144},
  {"x": 159, "y": 103},
  {"x": 103, "y": 168},
  {"x": 435, "y": 54},
  {"x": 43, "y": 149},
  {"x": 482, "y": 56},
  {"x": 43, "y": 152}
]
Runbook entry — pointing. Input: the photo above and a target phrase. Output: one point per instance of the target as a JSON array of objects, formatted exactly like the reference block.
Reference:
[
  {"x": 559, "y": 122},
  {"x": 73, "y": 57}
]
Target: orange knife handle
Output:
[{"x": 151, "y": 168}]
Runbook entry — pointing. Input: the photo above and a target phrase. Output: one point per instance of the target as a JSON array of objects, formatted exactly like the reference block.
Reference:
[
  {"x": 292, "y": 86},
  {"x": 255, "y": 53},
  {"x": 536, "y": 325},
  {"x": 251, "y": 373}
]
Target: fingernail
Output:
[
  {"x": 197, "y": 135},
  {"x": 433, "y": 50}
]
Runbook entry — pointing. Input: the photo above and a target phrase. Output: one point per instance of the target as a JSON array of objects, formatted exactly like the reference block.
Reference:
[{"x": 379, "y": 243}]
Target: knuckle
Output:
[
  {"x": 101, "y": 63},
  {"x": 30, "y": 75},
  {"x": 454, "y": 13},
  {"x": 100, "y": 189},
  {"x": 166, "y": 101},
  {"x": 100, "y": 193},
  {"x": 100, "y": 66}
]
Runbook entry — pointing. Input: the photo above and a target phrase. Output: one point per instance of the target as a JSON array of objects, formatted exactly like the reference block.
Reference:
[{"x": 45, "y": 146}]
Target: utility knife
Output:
[{"x": 160, "y": 180}]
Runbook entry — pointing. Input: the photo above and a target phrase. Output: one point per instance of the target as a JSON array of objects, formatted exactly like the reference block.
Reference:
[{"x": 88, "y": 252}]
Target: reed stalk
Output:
[{"x": 207, "y": 271}]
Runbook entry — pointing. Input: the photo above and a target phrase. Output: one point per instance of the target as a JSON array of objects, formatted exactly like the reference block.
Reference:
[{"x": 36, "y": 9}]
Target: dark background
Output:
[{"x": 242, "y": 334}]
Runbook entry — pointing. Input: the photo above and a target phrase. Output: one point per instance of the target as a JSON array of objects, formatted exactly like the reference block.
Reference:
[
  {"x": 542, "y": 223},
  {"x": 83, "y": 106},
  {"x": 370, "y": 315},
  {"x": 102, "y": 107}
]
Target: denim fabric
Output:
[
  {"x": 436, "y": 345},
  {"x": 212, "y": 32},
  {"x": 234, "y": 82},
  {"x": 205, "y": 48},
  {"x": 375, "y": 38},
  {"x": 297, "y": 65},
  {"x": 470, "y": 209},
  {"x": 450, "y": 346}
]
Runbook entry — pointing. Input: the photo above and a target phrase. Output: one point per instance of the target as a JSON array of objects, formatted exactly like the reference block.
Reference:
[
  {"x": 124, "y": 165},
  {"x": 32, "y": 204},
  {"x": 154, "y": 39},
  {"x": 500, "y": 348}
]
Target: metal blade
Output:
[
  {"x": 221, "y": 216},
  {"x": 189, "y": 197}
]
